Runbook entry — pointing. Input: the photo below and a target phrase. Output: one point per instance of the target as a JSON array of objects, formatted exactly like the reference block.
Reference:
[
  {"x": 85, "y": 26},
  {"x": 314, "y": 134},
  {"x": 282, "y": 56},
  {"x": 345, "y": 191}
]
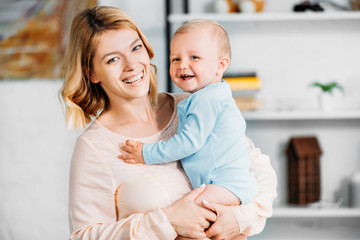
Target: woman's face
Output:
[{"x": 121, "y": 65}]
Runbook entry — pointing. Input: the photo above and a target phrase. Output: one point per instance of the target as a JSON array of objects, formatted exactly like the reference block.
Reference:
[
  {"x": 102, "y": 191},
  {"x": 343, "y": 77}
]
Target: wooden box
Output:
[{"x": 303, "y": 170}]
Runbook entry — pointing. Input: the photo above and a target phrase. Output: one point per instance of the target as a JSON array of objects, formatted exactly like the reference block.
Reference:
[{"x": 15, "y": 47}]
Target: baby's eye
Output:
[
  {"x": 194, "y": 57},
  {"x": 175, "y": 59},
  {"x": 114, "y": 59}
]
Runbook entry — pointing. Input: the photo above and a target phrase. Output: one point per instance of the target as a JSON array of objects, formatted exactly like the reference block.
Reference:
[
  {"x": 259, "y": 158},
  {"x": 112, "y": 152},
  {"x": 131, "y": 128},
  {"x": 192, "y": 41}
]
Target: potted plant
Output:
[{"x": 325, "y": 98}]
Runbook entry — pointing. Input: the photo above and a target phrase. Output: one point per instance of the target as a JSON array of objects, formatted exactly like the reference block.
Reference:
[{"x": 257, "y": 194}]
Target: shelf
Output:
[
  {"x": 265, "y": 17},
  {"x": 301, "y": 115},
  {"x": 303, "y": 212}
]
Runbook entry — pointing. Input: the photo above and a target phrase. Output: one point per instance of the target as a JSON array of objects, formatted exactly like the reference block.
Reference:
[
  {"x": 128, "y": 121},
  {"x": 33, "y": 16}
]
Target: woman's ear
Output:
[
  {"x": 93, "y": 77},
  {"x": 223, "y": 65}
]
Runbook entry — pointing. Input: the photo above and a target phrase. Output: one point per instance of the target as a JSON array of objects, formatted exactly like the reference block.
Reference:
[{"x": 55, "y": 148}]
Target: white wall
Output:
[{"x": 35, "y": 152}]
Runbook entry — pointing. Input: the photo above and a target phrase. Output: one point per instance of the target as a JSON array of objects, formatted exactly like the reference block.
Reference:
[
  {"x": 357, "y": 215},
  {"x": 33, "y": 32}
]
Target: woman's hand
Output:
[
  {"x": 187, "y": 218},
  {"x": 226, "y": 225}
]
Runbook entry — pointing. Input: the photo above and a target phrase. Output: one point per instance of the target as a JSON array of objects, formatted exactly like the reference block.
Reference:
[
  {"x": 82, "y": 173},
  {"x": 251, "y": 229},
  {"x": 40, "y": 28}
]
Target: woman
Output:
[{"x": 107, "y": 68}]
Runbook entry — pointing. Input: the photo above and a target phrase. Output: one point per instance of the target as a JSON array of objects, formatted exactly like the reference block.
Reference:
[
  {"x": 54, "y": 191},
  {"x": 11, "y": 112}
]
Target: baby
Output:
[{"x": 210, "y": 140}]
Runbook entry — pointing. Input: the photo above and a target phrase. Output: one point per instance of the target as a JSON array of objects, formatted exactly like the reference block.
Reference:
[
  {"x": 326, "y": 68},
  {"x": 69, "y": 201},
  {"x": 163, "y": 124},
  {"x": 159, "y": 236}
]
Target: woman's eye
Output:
[
  {"x": 114, "y": 59},
  {"x": 194, "y": 57},
  {"x": 137, "y": 47}
]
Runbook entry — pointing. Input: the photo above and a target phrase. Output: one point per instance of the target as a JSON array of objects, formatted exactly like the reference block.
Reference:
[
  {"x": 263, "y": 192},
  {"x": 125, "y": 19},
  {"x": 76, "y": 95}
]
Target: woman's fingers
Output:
[
  {"x": 195, "y": 192},
  {"x": 205, "y": 224}
]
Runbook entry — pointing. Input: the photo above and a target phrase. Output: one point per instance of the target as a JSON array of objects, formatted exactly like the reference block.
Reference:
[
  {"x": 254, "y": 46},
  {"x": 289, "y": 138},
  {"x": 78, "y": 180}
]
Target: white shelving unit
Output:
[
  {"x": 270, "y": 128},
  {"x": 301, "y": 115},
  {"x": 238, "y": 17},
  {"x": 303, "y": 212}
]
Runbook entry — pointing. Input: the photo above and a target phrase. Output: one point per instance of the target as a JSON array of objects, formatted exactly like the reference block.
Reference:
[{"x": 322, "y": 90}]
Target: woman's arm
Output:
[
  {"x": 251, "y": 217},
  {"x": 93, "y": 212}
]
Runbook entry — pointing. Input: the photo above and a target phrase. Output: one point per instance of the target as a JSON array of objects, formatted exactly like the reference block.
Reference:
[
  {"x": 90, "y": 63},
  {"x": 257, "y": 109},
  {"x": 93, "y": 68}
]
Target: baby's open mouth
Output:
[{"x": 186, "y": 77}]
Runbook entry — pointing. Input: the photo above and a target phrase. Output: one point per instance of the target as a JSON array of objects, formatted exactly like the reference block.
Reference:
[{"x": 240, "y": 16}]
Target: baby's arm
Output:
[
  {"x": 196, "y": 125},
  {"x": 134, "y": 152}
]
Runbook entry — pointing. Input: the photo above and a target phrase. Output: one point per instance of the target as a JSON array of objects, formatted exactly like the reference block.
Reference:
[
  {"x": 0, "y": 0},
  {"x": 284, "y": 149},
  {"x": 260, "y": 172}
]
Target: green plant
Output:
[{"x": 328, "y": 87}]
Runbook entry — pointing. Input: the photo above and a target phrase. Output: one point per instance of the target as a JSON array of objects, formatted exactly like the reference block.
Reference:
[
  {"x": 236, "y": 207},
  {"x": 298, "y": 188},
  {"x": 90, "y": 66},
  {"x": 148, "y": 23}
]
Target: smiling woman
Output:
[
  {"x": 119, "y": 72},
  {"x": 103, "y": 49},
  {"x": 107, "y": 68}
]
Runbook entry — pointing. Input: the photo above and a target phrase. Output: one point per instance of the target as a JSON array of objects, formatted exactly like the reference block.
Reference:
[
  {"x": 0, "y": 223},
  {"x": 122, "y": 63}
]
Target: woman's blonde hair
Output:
[{"x": 82, "y": 98}]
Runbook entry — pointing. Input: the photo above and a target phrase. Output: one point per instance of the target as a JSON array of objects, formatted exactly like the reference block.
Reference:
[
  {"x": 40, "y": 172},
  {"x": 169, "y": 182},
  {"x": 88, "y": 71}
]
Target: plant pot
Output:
[{"x": 326, "y": 102}]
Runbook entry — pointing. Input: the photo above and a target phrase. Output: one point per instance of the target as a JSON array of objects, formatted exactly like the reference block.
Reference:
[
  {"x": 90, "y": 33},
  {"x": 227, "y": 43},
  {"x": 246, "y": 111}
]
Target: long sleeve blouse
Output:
[{"x": 109, "y": 199}]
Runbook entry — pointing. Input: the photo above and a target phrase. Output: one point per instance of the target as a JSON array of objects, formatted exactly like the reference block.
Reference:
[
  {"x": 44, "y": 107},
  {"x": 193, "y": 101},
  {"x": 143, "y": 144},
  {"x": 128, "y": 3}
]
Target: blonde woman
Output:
[{"x": 108, "y": 76}]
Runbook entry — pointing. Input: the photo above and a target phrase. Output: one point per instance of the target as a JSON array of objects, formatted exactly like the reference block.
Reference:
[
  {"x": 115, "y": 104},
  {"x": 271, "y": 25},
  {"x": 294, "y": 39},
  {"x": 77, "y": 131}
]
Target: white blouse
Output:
[{"x": 110, "y": 199}]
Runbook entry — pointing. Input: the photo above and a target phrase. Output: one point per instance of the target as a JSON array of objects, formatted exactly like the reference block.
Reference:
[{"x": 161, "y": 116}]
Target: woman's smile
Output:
[{"x": 134, "y": 81}]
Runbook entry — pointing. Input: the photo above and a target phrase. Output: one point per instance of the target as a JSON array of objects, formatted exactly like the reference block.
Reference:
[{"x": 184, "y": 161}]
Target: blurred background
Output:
[{"x": 294, "y": 73}]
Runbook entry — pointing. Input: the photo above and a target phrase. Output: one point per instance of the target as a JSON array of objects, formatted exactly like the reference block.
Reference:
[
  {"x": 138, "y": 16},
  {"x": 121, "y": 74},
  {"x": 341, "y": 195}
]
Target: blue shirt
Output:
[{"x": 210, "y": 142}]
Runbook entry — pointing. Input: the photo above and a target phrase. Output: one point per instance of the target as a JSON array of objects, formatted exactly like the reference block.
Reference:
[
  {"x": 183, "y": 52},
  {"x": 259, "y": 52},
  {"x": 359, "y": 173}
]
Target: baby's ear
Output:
[{"x": 223, "y": 65}]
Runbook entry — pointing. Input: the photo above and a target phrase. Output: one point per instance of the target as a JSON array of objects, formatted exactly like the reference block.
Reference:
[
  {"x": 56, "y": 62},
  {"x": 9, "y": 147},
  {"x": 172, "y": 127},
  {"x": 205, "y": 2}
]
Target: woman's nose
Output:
[{"x": 129, "y": 63}]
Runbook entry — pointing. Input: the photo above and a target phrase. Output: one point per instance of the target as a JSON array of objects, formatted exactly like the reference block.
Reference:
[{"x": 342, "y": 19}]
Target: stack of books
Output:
[{"x": 244, "y": 86}]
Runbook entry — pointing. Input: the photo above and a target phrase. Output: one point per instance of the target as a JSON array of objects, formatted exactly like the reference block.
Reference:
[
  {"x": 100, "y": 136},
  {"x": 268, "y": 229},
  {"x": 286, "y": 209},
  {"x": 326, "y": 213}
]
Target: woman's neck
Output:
[{"x": 130, "y": 117}]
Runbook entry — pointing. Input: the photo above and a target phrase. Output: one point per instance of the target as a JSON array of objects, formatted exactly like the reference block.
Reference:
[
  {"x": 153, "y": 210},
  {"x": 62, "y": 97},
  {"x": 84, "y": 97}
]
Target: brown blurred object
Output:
[
  {"x": 36, "y": 49},
  {"x": 303, "y": 170},
  {"x": 247, "y": 103},
  {"x": 259, "y": 5},
  {"x": 233, "y": 7},
  {"x": 355, "y": 5}
]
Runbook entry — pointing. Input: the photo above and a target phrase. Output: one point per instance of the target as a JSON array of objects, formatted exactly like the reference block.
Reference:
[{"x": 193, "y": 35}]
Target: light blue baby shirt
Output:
[{"x": 210, "y": 142}]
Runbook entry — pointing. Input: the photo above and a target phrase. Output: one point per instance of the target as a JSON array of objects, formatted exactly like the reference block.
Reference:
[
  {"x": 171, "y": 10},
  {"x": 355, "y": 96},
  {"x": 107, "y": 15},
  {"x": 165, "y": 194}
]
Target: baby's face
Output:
[{"x": 194, "y": 59}]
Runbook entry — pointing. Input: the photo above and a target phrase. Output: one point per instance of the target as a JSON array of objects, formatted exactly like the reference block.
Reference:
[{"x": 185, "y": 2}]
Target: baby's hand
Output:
[{"x": 134, "y": 150}]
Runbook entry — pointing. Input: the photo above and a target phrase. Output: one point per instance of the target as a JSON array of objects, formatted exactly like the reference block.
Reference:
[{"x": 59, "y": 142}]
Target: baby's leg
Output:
[
  {"x": 185, "y": 238},
  {"x": 217, "y": 194},
  {"x": 240, "y": 237}
]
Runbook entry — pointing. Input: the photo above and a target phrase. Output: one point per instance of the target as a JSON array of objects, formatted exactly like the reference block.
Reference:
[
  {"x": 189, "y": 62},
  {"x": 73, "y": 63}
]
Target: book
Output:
[{"x": 243, "y": 83}]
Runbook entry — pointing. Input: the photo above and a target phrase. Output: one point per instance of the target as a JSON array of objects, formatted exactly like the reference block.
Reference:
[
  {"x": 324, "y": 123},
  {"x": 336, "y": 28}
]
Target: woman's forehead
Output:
[{"x": 117, "y": 38}]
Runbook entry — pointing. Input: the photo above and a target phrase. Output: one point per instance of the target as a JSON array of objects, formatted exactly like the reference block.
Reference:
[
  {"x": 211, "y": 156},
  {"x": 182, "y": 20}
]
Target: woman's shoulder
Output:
[
  {"x": 95, "y": 132},
  {"x": 174, "y": 97}
]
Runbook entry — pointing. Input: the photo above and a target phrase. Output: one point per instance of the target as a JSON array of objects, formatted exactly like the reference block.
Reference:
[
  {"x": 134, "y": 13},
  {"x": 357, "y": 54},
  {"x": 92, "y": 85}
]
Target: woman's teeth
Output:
[{"x": 135, "y": 79}]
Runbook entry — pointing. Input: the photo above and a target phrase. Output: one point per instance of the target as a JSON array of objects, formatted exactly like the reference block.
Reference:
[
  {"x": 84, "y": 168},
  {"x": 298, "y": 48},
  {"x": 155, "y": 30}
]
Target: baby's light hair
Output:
[{"x": 218, "y": 31}]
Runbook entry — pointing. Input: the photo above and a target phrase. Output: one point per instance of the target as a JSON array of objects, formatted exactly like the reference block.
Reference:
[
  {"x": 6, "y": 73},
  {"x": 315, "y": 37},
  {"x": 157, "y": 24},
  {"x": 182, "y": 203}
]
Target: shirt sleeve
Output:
[
  {"x": 251, "y": 217},
  {"x": 93, "y": 209},
  {"x": 201, "y": 114}
]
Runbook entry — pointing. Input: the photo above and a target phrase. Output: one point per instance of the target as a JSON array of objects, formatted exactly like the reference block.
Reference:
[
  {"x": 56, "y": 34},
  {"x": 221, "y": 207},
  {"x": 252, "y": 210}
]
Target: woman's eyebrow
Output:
[
  {"x": 114, "y": 52},
  {"x": 136, "y": 40}
]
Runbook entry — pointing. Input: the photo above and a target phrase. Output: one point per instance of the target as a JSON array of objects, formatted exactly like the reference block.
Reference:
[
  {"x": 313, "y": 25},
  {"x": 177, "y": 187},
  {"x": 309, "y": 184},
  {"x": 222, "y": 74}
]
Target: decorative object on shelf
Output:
[
  {"x": 221, "y": 6},
  {"x": 225, "y": 6},
  {"x": 241, "y": 82},
  {"x": 326, "y": 204},
  {"x": 325, "y": 98},
  {"x": 248, "y": 103},
  {"x": 244, "y": 86},
  {"x": 303, "y": 166},
  {"x": 250, "y": 6},
  {"x": 355, "y": 5},
  {"x": 355, "y": 190},
  {"x": 307, "y": 6}
]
